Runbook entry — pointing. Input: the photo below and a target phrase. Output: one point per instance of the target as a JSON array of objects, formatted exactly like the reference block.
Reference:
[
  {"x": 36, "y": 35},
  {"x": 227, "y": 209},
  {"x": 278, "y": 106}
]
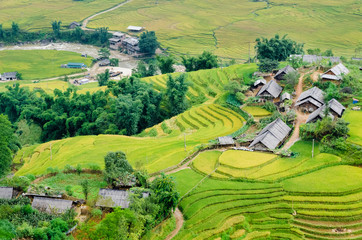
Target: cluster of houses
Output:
[
  {"x": 107, "y": 199},
  {"x": 8, "y": 76},
  {"x": 128, "y": 44},
  {"x": 310, "y": 101}
]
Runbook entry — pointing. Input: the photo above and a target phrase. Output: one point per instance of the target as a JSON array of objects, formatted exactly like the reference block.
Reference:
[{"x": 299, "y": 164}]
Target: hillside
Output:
[
  {"x": 191, "y": 26},
  {"x": 200, "y": 124}
]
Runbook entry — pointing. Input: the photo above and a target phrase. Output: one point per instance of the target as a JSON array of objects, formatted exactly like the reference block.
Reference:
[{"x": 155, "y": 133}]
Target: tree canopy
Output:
[
  {"x": 117, "y": 167},
  {"x": 148, "y": 42},
  {"x": 176, "y": 94},
  {"x": 206, "y": 60},
  {"x": 277, "y": 48},
  {"x": 6, "y": 139}
]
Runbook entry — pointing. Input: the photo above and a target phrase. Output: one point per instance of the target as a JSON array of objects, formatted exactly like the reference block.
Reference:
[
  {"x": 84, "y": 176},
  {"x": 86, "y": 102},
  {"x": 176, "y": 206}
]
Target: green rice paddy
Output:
[
  {"x": 40, "y": 64},
  {"x": 354, "y": 119}
]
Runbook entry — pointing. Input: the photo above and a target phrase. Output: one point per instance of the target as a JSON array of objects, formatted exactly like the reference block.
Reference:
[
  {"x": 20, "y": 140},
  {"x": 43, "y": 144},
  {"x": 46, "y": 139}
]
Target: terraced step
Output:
[
  {"x": 328, "y": 224},
  {"x": 328, "y": 231}
]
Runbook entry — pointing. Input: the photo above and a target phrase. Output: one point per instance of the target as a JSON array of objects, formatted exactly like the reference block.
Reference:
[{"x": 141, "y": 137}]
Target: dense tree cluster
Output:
[
  {"x": 277, "y": 48},
  {"x": 99, "y": 37},
  {"x": 125, "y": 107},
  {"x": 148, "y": 42},
  {"x": 205, "y": 61},
  {"x": 8, "y": 144}
]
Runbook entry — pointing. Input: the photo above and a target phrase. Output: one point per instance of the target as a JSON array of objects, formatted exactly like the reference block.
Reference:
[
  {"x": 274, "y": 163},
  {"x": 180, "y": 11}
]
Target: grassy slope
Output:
[
  {"x": 244, "y": 159},
  {"x": 35, "y": 14},
  {"x": 153, "y": 153},
  {"x": 39, "y": 64},
  {"x": 354, "y": 117},
  {"x": 191, "y": 26},
  {"x": 256, "y": 111},
  {"x": 205, "y": 162},
  {"x": 61, "y": 181}
]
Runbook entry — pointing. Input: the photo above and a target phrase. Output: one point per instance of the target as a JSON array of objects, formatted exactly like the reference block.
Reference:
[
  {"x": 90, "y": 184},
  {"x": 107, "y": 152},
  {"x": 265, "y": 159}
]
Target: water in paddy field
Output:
[{"x": 125, "y": 61}]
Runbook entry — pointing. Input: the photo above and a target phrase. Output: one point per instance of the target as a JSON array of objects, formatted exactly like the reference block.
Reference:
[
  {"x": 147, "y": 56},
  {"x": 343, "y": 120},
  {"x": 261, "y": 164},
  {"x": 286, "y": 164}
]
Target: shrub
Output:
[
  {"x": 7, "y": 230},
  {"x": 68, "y": 168},
  {"x": 69, "y": 190},
  {"x": 267, "y": 65},
  {"x": 94, "y": 167},
  {"x": 78, "y": 169},
  {"x": 85, "y": 188},
  {"x": 97, "y": 213},
  {"x": 24, "y": 231},
  {"x": 39, "y": 234},
  {"x": 269, "y": 106}
]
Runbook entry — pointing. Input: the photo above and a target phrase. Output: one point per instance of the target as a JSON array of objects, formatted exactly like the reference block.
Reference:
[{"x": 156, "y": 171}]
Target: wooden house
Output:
[
  {"x": 271, "y": 136},
  {"x": 51, "y": 205},
  {"x": 286, "y": 96},
  {"x": 116, "y": 41},
  {"x": 130, "y": 45},
  {"x": 311, "y": 100},
  {"x": 104, "y": 62},
  {"x": 8, "y": 76},
  {"x": 6, "y": 192},
  {"x": 335, "y": 110},
  {"x": 111, "y": 198},
  {"x": 74, "y": 25},
  {"x": 336, "y": 73},
  {"x": 285, "y": 70},
  {"x": 226, "y": 141},
  {"x": 270, "y": 90},
  {"x": 315, "y": 58}
]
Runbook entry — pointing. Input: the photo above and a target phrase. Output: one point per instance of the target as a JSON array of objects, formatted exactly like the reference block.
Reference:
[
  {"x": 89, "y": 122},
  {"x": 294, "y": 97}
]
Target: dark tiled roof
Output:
[
  {"x": 51, "y": 205},
  {"x": 273, "y": 134}
]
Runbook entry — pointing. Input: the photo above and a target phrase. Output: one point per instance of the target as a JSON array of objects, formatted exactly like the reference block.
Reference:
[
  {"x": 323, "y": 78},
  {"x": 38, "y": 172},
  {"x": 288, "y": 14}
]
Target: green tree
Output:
[
  {"x": 148, "y": 42},
  {"x": 19, "y": 76},
  {"x": 176, "y": 94},
  {"x": 103, "y": 78},
  {"x": 116, "y": 167},
  {"x": 328, "y": 53},
  {"x": 165, "y": 189},
  {"x": 104, "y": 53},
  {"x": 315, "y": 51},
  {"x": 267, "y": 65},
  {"x": 85, "y": 188},
  {"x": 290, "y": 80},
  {"x": 14, "y": 28},
  {"x": 1, "y": 31},
  {"x": 204, "y": 61},
  {"x": 114, "y": 62},
  {"x": 145, "y": 70},
  {"x": 102, "y": 34},
  {"x": 277, "y": 48},
  {"x": 56, "y": 27},
  {"x": 165, "y": 63},
  {"x": 6, "y": 137}
]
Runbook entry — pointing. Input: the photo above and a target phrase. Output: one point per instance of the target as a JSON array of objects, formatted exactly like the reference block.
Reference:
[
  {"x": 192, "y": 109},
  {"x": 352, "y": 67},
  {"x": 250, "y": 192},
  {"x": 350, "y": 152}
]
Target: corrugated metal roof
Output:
[
  {"x": 113, "y": 198},
  {"x": 273, "y": 134},
  {"x": 51, "y": 205},
  {"x": 135, "y": 28},
  {"x": 227, "y": 140},
  {"x": 272, "y": 87},
  {"x": 314, "y": 93},
  {"x": 336, "y": 106},
  {"x": 6, "y": 192},
  {"x": 338, "y": 70}
]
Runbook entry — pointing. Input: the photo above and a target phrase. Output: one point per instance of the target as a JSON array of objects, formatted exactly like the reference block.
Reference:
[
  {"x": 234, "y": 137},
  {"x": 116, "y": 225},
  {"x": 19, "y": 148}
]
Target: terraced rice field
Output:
[
  {"x": 165, "y": 149},
  {"x": 191, "y": 26},
  {"x": 322, "y": 204},
  {"x": 38, "y": 14},
  {"x": 40, "y": 64},
  {"x": 256, "y": 111},
  {"x": 208, "y": 84},
  {"x": 354, "y": 118}
]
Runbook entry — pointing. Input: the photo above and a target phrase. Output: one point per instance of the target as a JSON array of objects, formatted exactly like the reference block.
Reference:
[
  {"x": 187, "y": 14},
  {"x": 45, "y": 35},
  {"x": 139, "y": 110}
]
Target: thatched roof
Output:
[
  {"x": 227, "y": 140},
  {"x": 285, "y": 70},
  {"x": 260, "y": 81},
  {"x": 272, "y": 135},
  {"x": 336, "y": 106},
  {"x": 337, "y": 72},
  {"x": 313, "y": 95},
  {"x": 113, "y": 198},
  {"x": 51, "y": 205},
  {"x": 6, "y": 192},
  {"x": 272, "y": 88}
]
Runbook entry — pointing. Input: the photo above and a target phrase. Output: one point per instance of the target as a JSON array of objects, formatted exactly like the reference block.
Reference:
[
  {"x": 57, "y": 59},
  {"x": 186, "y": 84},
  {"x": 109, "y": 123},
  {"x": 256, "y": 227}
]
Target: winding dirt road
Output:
[
  {"x": 179, "y": 222},
  {"x": 85, "y": 21}
]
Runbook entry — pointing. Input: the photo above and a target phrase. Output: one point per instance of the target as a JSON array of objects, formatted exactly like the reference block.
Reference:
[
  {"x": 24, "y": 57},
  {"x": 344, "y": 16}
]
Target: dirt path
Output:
[
  {"x": 179, "y": 222},
  {"x": 85, "y": 21},
  {"x": 301, "y": 117}
]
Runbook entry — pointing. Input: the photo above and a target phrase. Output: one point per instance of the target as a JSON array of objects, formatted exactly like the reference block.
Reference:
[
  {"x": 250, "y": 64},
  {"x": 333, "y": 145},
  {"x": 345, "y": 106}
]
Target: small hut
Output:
[
  {"x": 286, "y": 96},
  {"x": 259, "y": 82},
  {"x": 74, "y": 25},
  {"x": 6, "y": 192},
  {"x": 111, "y": 198},
  {"x": 270, "y": 90},
  {"x": 51, "y": 205},
  {"x": 335, "y": 73},
  {"x": 226, "y": 141},
  {"x": 285, "y": 70},
  {"x": 134, "y": 28},
  {"x": 271, "y": 136},
  {"x": 312, "y": 99}
]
